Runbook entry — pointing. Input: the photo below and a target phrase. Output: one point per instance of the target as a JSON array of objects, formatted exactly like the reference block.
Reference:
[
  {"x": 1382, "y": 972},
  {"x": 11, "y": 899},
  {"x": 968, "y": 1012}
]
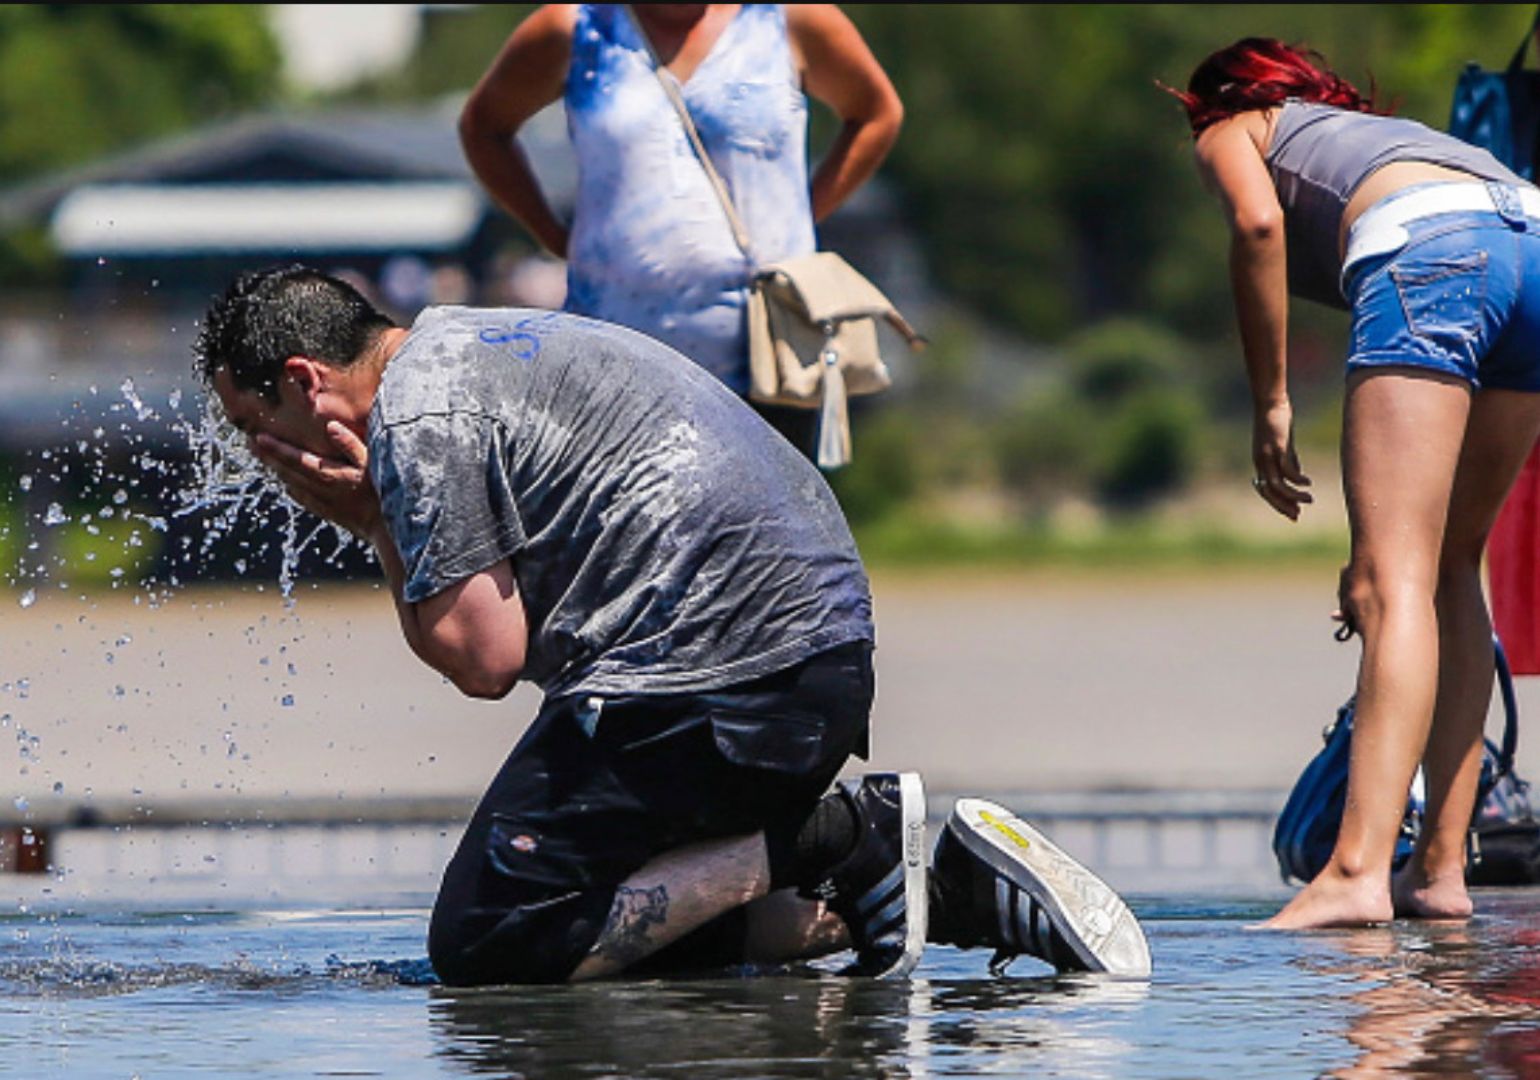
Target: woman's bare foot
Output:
[
  {"x": 1417, "y": 896},
  {"x": 1335, "y": 899}
]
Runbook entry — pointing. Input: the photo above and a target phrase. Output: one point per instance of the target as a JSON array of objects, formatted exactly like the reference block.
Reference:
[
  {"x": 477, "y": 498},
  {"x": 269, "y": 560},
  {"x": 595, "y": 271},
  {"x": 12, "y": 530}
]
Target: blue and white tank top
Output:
[{"x": 650, "y": 246}]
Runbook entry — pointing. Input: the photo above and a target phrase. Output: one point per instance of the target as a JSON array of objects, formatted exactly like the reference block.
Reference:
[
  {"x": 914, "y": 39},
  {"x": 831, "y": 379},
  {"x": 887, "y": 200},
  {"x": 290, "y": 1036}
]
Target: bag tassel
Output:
[{"x": 833, "y": 416}]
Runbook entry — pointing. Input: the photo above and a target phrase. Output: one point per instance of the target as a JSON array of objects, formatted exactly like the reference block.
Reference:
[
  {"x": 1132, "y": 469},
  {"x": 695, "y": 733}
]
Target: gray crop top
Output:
[{"x": 1319, "y": 156}]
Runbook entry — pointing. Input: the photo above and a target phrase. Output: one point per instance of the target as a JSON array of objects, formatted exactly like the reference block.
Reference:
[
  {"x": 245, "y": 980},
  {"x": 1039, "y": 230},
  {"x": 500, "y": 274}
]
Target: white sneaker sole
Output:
[
  {"x": 916, "y": 895},
  {"x": 1091, "y": 916}
]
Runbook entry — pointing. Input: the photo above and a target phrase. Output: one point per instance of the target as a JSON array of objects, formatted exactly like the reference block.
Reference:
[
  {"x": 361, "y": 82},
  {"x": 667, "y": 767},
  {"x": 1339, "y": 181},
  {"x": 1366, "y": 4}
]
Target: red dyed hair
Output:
[{"x": 1259, "y": 73}]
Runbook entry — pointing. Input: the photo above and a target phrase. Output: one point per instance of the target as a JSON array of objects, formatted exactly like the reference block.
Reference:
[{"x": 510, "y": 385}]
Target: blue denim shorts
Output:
[{"x": 1461, "y": 296}]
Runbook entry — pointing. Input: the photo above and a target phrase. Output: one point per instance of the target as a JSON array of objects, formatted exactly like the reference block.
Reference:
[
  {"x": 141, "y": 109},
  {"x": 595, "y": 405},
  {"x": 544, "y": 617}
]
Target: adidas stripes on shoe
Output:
[
  {"x": 879, "y": 889},
  {"x": 997, "y": 881}
]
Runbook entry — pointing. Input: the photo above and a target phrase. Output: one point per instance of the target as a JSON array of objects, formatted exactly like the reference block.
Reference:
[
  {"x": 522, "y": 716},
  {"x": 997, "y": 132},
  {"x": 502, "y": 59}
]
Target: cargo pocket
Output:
[
  {"x": 1442, "y": 297},
  {"x": 521, "y": 852},
  {"x": 785, "y": 742}
]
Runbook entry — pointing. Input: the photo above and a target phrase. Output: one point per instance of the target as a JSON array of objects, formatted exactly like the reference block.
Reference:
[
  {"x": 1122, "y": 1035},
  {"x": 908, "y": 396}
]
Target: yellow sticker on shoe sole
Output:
[{"x": 1004, "y": 828}]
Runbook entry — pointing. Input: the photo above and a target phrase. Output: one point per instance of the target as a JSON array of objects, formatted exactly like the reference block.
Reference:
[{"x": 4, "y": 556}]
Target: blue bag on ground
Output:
[
  {"x": 1307, "y": 827},
  {"x": 1500, "y": 110},
  {"x": 1505, "y": 836}
]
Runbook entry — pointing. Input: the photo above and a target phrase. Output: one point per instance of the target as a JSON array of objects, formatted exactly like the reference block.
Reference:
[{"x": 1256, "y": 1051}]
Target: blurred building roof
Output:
[
  {"x": 286, "y": 181},
  {"x": 119, "y": 220},
  {"x": 150, "y": 234},
  {"x": 254, "y": 148},
  {"x": 391, "y": 145}
]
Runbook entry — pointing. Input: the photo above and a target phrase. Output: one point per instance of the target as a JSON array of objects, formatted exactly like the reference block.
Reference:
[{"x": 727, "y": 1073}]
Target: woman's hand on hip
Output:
[{"x": 1278, "y": 480}]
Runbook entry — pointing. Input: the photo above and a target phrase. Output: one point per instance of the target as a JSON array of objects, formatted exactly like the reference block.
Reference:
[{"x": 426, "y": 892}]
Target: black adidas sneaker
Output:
[
  {"x": 997, "y": 881},
  {"x": 879, "y": 888}
]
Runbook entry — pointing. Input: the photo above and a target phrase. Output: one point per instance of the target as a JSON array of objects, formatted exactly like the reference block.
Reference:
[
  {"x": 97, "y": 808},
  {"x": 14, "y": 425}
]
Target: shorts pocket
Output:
[
  {"x": 1442, "y": 297},
  {"x": 788, "y": 742}
]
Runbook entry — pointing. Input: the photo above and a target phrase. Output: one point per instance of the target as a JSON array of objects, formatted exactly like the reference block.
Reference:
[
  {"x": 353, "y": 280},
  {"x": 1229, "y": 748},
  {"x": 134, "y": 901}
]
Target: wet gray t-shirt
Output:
[{"x": 665, "y": 539}]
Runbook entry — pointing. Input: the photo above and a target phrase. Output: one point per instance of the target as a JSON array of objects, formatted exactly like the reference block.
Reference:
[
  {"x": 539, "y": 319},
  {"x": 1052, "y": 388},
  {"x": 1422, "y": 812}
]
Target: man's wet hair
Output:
[{"x": 267, "y": 316}]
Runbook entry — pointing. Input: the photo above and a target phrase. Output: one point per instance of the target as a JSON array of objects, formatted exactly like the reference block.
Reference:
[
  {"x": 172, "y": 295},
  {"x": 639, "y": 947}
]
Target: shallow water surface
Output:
[{"x": 338, "y": 993}]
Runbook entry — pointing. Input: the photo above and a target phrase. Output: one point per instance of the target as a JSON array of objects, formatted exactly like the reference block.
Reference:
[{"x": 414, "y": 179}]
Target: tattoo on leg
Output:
[{"x": 635, "y": 911}]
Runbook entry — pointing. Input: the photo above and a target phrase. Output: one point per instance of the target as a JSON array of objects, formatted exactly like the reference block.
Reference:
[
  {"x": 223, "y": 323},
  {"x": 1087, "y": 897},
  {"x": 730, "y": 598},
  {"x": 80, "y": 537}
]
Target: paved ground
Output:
[{"x": 1020, "y": 683}]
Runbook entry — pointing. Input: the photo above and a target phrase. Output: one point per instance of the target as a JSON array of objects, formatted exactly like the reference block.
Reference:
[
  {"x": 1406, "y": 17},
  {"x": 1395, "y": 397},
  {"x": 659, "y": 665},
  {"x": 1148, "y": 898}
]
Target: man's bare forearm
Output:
[{"x": 395, "y": 577}]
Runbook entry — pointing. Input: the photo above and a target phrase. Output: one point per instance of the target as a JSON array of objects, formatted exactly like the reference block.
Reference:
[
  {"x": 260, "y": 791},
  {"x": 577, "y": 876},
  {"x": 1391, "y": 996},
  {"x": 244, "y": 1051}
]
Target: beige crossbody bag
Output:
[{"x": 812, "y": 319}]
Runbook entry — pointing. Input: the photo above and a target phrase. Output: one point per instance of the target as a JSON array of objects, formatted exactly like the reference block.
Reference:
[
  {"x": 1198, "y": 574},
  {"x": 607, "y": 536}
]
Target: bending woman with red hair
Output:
[{"x": 1435, "y": 248}]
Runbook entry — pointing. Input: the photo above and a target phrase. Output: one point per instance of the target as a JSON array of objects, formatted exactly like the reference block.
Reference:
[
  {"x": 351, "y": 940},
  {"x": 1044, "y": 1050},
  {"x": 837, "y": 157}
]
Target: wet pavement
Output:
[
  {"x": 188, "y": 962},
  {"x": 295, "y": 993}
]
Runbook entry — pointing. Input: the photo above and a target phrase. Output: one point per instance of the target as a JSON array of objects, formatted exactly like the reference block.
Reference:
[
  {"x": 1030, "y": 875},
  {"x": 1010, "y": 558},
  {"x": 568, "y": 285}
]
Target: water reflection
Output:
[
  {"x": 1450, "y": 999},
  {"x": 292, "y": 988},
  {"x": 803, "y": 1024}
]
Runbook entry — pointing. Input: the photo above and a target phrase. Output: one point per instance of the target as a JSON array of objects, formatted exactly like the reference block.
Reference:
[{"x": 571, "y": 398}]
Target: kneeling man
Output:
[{"x": 567, "y": 501}]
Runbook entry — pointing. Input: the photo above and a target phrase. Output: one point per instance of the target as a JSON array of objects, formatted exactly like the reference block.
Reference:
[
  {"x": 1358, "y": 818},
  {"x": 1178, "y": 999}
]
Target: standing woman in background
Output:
[
  {"x": 649, "y": 245},
  {"x": 1435, "y": 248}
]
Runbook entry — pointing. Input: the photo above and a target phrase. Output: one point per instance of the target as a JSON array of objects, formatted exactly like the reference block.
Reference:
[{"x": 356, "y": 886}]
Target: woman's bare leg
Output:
[
  {"x": 1402, "y": 433},
  {"x": 1502, "y": 429}
]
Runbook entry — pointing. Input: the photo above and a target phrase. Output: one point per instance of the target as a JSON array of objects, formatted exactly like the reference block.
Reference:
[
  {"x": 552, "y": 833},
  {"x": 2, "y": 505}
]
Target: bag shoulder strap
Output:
[
  {"x": 1510, "y": 743},
  {"x": 675, "y": 96},
  {"x": 1518, "y": 57}
]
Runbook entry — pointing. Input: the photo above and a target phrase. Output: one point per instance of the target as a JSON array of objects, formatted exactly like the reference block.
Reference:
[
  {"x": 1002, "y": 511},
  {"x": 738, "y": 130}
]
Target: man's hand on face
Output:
[{"x": 336, "y": 488}]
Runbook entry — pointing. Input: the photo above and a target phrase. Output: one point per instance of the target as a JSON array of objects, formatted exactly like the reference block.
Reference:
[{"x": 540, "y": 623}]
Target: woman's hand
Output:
[
  {"x": 1346, "y": 615},
  {"x": 1278, "y": 478},
  {"x": 335, "y": 488}
]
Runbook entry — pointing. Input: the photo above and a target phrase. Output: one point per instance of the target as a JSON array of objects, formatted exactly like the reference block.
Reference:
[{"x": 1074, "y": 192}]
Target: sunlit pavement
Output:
[{"x": 1024, "y": 683}]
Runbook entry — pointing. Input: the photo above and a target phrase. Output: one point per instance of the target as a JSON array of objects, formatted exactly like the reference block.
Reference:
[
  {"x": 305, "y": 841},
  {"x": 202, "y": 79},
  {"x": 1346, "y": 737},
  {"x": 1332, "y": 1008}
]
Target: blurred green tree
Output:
[
  {"x": 457, "y": 44},
  {"x": 1122, "y": 420},
  {"x": 81, "y": 81},
  {"x": 78, "y": 81},
  {"x": 1052, "y": 179}
]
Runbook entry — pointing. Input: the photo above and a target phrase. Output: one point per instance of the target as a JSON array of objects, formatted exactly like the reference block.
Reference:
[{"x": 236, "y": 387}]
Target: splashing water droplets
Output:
[
  {"x": 233, "y": 484},
  {"x": 131, "y": 395}
]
